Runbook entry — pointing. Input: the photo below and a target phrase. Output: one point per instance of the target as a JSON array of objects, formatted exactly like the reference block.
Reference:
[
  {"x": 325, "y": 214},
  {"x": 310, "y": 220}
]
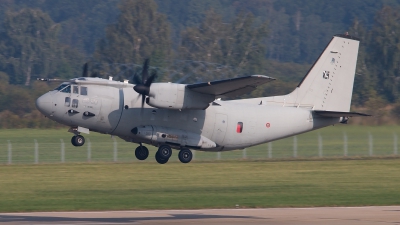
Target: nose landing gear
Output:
[{"x": 78, "y": 140}]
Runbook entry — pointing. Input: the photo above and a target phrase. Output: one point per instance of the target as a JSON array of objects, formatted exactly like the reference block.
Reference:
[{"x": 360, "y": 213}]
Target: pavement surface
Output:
[{"x": 388, "y": 215}]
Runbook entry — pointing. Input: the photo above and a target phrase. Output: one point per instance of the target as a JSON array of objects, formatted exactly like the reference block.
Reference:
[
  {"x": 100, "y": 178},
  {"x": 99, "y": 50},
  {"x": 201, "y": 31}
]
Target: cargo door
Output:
[{"x": 111, "y": 109}]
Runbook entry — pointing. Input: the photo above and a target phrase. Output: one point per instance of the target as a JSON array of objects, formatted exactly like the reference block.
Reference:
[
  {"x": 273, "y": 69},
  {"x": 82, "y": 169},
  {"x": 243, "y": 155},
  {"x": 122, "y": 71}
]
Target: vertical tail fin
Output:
[{"x": 328, "y": 85}]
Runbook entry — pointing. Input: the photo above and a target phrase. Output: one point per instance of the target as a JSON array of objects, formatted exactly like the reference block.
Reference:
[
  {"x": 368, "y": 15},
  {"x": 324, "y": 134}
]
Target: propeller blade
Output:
[
  {"x": 151, "y": 79},
  {"x": 85, "y": 70},
  {"x": 145, "y": 71},
  {"x": 136, "y": 79},
  {"x": 143, "y": 86},
  {"x": 143, "y": 99}
]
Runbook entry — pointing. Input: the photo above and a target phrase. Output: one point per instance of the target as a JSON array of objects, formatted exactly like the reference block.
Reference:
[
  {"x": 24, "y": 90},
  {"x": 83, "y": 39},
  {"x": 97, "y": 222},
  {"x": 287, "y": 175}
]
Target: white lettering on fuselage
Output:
[{"x": 90, "y": 100}]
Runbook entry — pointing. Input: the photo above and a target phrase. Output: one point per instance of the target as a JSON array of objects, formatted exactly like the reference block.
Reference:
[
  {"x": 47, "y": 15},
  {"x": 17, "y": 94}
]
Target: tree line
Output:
[{"x": 210, "y": 40}]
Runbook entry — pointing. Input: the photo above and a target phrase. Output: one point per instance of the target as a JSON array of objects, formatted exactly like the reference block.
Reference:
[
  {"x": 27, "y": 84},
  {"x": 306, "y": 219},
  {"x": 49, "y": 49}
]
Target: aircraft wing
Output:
[
  {"x": 231, "y": 87},
  {"x": 338, "y": 114}
]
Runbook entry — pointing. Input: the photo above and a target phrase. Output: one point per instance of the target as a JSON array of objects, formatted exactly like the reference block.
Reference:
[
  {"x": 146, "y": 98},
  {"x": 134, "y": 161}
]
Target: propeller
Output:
[
  {"x": 143, "y": 85},
  {"x": 85, "y": 72}
]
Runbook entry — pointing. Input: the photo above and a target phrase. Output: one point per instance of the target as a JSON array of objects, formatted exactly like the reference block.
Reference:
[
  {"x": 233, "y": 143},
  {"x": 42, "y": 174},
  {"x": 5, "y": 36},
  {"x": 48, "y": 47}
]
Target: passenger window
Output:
[
  {"x": 75, "y": 103},
  {"x": 67, "y": 101},
  {"x": 75, "y": 90},
  {"x": 239, "y": 127},
  {"x": 67, "y": 89},
  {"x": 83, "y": 90}
]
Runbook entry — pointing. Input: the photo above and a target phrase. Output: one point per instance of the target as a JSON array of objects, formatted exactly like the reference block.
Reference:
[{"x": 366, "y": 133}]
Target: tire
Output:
[
  {"x": 164, "y": 151},
  {"x": 185, "y": 155},
  {"x": 161, "y": 160},
  {"x": 141, "y": 153},
  {"x": 73, "y": 141},
  {"x": 78, "y": 140}
]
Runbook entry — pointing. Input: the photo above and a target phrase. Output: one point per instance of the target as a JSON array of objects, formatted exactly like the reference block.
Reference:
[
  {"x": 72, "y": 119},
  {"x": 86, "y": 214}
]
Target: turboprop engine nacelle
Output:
[
  {"x": 173, "y": 136},
  {"x": 177, "y": 96}
]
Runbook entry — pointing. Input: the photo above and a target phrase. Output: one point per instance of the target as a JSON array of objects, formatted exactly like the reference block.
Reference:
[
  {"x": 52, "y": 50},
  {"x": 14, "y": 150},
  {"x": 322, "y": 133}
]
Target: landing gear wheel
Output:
[
  {"x": 161, "y": 160},
  {"x": 164, "y": 151},
  {"x": 78, "y": 140},
  {"x": 141, "y": 152},
  {"x": 185, "y": 155}
]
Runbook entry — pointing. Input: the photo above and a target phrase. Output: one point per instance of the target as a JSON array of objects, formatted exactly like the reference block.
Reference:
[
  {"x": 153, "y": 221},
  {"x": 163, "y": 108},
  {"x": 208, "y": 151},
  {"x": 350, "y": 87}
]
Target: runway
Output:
[{"x": 297, "y": 216}]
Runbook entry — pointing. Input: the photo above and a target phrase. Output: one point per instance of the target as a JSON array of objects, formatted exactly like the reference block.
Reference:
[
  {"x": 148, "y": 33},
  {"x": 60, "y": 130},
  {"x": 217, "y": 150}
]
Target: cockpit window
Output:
[
  {"x": 67, "y": 89},
  {"x": 62, "y": 86},
  {"x": 83, "y": 90},
  {"x": 67, "y": 101},
  {"x": 75, "y": 89},
  {"x": 75, "y": 103}
]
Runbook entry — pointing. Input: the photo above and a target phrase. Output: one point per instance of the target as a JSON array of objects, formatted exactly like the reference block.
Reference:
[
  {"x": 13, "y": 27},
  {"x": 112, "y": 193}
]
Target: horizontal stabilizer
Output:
[
  {"x": 338, "y": 114},
  {"x": 231, "y": 87}
]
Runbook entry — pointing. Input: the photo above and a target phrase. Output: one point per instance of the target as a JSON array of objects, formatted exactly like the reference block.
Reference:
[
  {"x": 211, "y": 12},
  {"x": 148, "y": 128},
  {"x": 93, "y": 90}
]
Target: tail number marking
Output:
[{"x": 325, "y": 75}]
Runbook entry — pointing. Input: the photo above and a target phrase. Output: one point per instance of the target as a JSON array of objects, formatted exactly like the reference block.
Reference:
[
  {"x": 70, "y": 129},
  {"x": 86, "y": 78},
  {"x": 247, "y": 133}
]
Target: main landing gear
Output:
[
  {"x": 163, "y": 154},
  {"x": 185, "y": 155},
  {"x": 78, "y": 140},
  {"x": 141, "y": 152}
]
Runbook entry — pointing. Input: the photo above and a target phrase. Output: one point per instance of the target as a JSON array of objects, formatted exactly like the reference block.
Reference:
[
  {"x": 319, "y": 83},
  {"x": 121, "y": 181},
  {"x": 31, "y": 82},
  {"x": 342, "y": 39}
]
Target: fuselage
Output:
[{"x": 230, "y": 124}]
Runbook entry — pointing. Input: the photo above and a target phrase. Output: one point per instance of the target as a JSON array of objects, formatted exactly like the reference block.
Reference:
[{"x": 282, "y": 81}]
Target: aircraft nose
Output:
[{"x": 43, "y": 104}]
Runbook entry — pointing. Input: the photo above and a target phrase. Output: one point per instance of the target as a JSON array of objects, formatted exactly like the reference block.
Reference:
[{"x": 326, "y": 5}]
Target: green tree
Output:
[
  {"x": 204, "y": 43},
  {"x": 29, "y": 47},
  {"x": 141, "y": 32},
  {"x": 239, "y": 43},
  {"x": 364, "y": 81},
  {"x": 82, "y": 22},
  {"x": 384, "y": 52}
]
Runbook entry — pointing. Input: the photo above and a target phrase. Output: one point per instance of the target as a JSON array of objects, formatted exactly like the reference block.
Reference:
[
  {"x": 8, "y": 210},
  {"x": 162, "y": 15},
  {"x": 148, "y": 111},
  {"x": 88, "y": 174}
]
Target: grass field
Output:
[
  {"x": 224, "y": 184},
  {"x": 102, "y": 146}
]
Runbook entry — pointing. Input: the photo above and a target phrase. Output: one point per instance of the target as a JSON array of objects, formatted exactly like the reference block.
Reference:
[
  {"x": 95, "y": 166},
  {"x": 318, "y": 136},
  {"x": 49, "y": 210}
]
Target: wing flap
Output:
[
  {"x": 338, "y": 114},
  {"x": 231, "y": 87}
]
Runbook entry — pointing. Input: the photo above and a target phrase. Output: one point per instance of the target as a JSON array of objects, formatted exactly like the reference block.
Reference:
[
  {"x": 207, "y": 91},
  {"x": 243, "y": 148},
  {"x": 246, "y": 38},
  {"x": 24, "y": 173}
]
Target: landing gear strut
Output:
[
  {"x": 185, "y": 155},
  {"x": 141, "y": 152},
  {"x": 78, "y": 140}
]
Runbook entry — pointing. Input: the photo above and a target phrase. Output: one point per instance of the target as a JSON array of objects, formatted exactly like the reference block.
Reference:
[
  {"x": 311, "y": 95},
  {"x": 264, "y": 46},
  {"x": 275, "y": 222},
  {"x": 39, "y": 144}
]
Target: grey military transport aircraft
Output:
[{"x": 191, "y": 116}]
